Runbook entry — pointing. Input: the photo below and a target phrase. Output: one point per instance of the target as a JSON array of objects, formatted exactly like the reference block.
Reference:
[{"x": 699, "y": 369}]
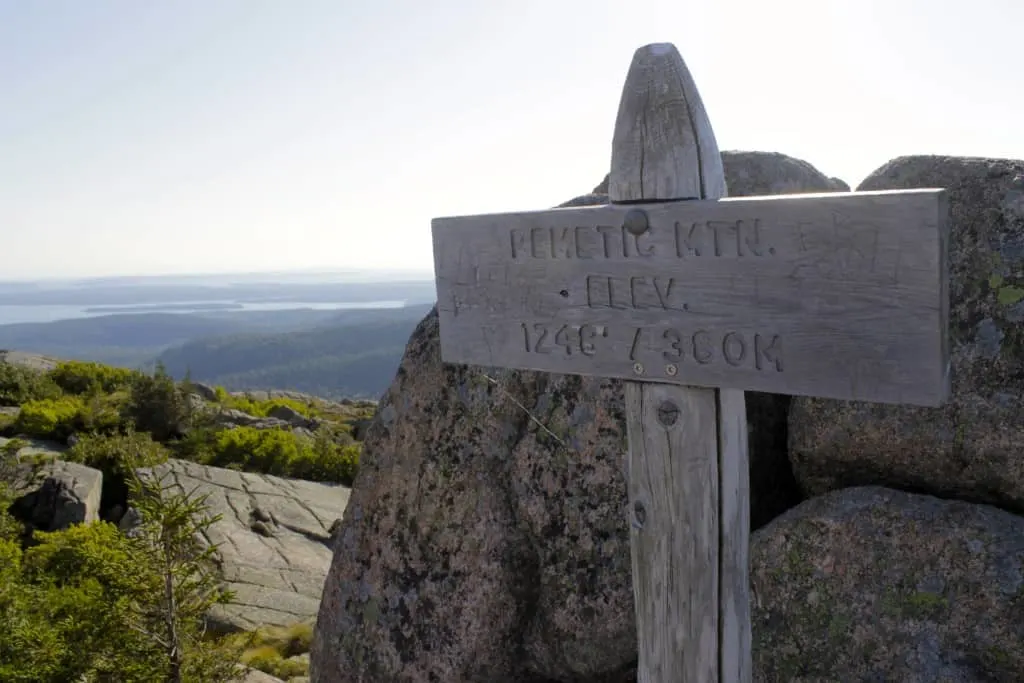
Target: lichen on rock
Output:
[
  {"x": 970, "y": 448},
  {"x": 873, "y": 584}
]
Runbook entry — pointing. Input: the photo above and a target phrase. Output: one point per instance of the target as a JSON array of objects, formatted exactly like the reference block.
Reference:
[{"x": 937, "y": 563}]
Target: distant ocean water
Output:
[{"x": 50, "y": 313}]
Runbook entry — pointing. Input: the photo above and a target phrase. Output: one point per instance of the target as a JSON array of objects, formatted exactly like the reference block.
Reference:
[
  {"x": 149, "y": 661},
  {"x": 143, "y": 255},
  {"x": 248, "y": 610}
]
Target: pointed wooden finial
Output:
[{"x": 663, "y": 147}]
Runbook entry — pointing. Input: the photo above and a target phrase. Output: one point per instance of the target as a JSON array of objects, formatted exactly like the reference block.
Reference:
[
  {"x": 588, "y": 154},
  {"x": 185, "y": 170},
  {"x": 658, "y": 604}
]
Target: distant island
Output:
[{"x": 150, "y": 308}]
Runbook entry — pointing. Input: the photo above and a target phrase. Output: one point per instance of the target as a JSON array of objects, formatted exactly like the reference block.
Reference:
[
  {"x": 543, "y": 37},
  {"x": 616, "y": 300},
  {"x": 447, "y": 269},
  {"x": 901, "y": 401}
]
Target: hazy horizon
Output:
[
  {"x": 251, "y": 135},
  {"x": 366, "y": 275}
]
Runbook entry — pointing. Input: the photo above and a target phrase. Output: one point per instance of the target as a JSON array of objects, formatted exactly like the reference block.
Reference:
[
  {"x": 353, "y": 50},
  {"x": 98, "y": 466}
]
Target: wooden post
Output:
[
  {"x": 688, "y": 491},
  {"x": 695, "y": 298}
]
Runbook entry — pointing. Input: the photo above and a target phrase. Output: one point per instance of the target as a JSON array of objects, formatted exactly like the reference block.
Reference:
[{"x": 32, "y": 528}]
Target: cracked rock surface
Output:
[{"x": 274, "y": 540}]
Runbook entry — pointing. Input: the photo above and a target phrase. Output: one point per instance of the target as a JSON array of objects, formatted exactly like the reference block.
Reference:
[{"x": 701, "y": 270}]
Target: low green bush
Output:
[
  {"x": 117, "y": 454},
  {"x": 19, "y": 385},
  {"x": 272, "y": 451},
  {"x": 158, "y": 405},
  {"x": 50, "y": 418},
  {"x": 262, "y": 408},
  {"x": 58, "y": 418},
  {"x": 86, "y": 377}
]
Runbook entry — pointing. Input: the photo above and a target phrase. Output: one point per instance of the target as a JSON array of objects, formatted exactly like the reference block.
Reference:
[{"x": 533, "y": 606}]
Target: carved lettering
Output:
[
  {"x": 663, "y": 286},
  {"x": 675, "y": 350},
  {"x": 702, "y": 349},
  {"x": 563, "y": 244},
  {"x": 706, "y": 347},
  {"x": 686, "y": 240},
  {"x": 585, "y": 243},
  {"x": 749, "y": 235},
  {"x": 580, "y": 242},
  {"x": 571, "y": 338},
  {"x": 768, "y": 352},
  {"x": 563, "y": 339},
  {"x": 640, "y": 293},
  {"x": 734, "y": 348},
  {"x": 761, "y": 352},
  {"x": 636, "y": 343},
  {"x": 588, "y": 333},
  {"x": 535, "y": 340},
  {"x": 723, "y": 239},
  {"x": 537, "y": 240},
  {"x": 643, "y": 250},
  {"x": 520, "y": 242}
]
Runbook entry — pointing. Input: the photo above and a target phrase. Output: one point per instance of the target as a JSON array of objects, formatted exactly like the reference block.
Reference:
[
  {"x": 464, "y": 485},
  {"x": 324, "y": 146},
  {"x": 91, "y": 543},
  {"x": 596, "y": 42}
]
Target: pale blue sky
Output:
[{"x": 241, "y": 135}]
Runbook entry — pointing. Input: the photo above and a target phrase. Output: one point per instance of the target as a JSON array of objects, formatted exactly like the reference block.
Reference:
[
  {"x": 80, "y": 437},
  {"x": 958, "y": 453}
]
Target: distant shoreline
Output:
[{"x": 150, "y": 308}]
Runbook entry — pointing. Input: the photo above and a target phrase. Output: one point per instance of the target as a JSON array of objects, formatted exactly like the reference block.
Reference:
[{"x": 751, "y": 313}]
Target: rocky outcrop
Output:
[
  {"x": 970, "y": 448},
  {"x": 293, "y": 418},
  {"x": 752, "y": 173},
  {"x": 51, "y": 494},
  {"x": 33, "y": 361},
  {"x": 204, "y": 391},
  {"x": 871, "y": 584},
  {"x": 274, "y": 540},
  {"x": 759, "y": 173},
  {"x": 480, "y": 546},
  {"x": 231, "y": 417}
]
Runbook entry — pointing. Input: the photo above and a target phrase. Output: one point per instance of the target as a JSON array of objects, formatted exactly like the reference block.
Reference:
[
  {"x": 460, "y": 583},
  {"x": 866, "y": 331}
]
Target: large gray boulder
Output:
[
  {"x": 486, "y": 535},
  {"x": 274, "y": 539},
  {"x": 970, "y": 448},
  {"x": 53, "y": 494},
  {"x": 33, "y": 361},
  {"x": 872, "y": 584}
]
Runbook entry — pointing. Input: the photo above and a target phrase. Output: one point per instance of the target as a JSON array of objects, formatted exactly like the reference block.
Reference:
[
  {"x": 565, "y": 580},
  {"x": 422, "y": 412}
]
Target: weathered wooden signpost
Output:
[{"x": 696, "y": 299}]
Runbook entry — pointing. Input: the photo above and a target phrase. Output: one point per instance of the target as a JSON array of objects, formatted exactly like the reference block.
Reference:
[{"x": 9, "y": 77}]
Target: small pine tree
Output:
[
  {"x": 184, "y": 580},
  {"x": 159, "y": 406}
]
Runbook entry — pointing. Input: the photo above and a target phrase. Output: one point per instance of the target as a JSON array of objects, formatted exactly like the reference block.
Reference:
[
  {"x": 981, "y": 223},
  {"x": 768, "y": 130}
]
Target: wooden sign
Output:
[
  {"x": 832, "y": 295},
  {"x": 674, "y": 286}
]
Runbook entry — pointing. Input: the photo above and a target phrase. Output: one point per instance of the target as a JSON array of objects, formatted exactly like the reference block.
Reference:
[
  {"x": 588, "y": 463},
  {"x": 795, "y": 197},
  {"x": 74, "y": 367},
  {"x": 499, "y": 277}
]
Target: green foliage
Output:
[
  {"x": 187, "y": 583},
  {"x": 65, "y": 620},
  {"x": 269, "y": 649},
  {"x": 19, "y": 385},
  {"x": 58, "y": 418},
  {"x": 10, "y": 528},
  {"x": 269, "y": 660},
  {"x": 262, "y": 408},
  {"x": 135, "y": 409},
  {"x": 158, "y": 405},
  {"x": 86, "y": 377},
  {"x": 117, "y": 455},
  {"x": 274, "y": 451},
  {"x": 102, "y": 413},
  {"x": 90, "y": 603},
  {"x": 50, "y": 418}
]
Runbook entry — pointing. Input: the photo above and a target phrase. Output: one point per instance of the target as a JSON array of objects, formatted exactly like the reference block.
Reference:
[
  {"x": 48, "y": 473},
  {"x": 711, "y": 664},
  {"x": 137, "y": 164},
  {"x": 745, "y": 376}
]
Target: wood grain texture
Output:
[
  {"x": 687, "y": 467},
  {"x": 834, "y": 295},
  {"x": 674, "y": 495},
  {"x": 734, "y": 525},
  {"x": 657, "y": 147}
]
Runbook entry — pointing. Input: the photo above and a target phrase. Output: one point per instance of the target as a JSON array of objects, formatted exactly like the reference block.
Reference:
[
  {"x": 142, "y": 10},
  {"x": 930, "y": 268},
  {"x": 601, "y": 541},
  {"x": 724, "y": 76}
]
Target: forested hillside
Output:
[
  {"x": 355, "y": 355},
  {"x": 134, "y": 340},
  {"x": 350, "y": 353}
]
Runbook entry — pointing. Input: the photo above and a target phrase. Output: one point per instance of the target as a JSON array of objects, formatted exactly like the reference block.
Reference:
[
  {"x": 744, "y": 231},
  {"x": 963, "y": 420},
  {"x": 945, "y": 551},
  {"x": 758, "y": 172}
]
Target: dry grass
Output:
[{"x": 270, "y": 649}]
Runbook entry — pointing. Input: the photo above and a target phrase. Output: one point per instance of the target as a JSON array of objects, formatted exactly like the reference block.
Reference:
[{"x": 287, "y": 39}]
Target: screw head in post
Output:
[
  {"x": 668, "y": 413},
  {"x": 639, "y": 515},
  {"x": 636, "y": 221}
]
